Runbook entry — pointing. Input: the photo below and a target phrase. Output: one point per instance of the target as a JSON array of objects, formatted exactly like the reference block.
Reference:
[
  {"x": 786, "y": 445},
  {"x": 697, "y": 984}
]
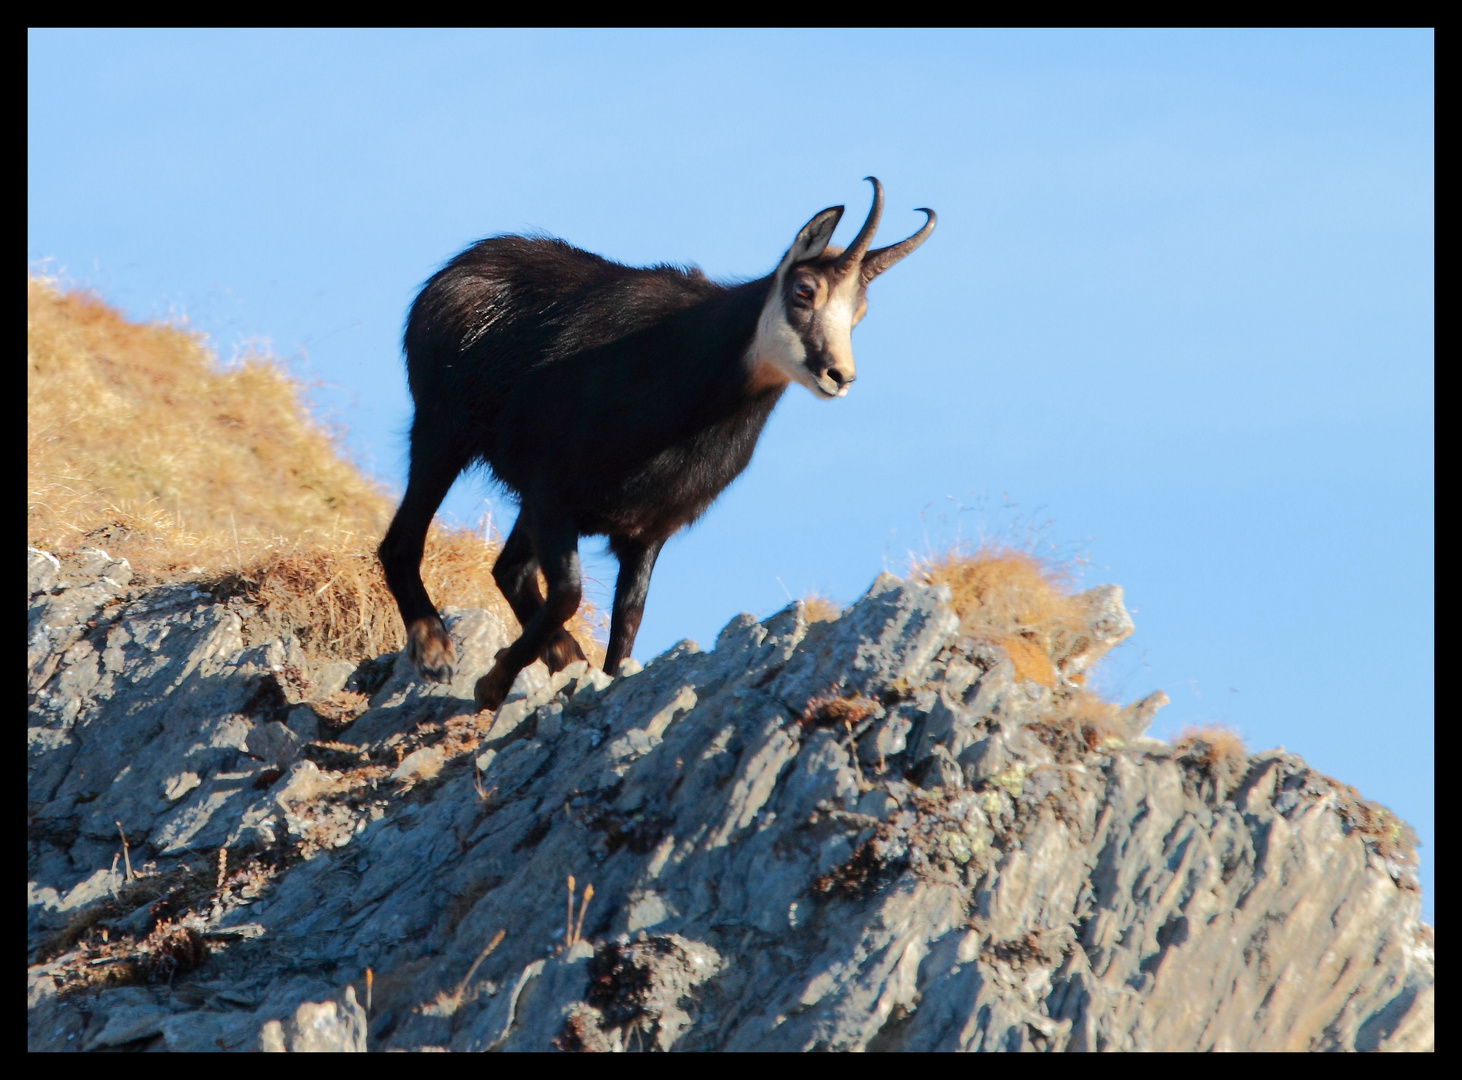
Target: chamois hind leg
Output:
[
  {"x": 555, "y": 541},
  {"x": 427, "y": 644},
  {"x": 636, "y": 561},
  {"x": 516, "y": 574}
]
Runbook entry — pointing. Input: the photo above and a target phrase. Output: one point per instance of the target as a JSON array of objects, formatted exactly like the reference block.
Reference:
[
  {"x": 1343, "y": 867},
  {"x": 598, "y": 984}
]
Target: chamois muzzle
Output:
[{"x": 831, "y": 377}]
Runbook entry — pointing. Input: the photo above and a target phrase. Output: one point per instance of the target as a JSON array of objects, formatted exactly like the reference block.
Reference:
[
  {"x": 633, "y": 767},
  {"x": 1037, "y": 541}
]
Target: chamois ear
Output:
[{"x": 814, "y": 236}]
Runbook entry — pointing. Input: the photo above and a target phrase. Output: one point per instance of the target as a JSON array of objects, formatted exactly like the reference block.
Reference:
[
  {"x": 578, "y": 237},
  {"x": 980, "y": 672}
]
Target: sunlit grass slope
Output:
[{"x": 139, "y": 443}]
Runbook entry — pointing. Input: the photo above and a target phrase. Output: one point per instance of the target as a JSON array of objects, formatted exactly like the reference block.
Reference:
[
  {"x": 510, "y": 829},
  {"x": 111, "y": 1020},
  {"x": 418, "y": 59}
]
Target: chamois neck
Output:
[
  {"x": 703, "y": 373},
  {"x": 732, "y": 322}
]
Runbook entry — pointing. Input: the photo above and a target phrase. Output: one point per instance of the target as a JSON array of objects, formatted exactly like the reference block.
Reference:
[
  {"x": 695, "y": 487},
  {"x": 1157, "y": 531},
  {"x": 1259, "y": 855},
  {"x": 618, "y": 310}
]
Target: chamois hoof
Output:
[
  {"x": 561, "y": 651},
  {"x": 429, "y": 648},
  {"x": 493, "y": 687}
]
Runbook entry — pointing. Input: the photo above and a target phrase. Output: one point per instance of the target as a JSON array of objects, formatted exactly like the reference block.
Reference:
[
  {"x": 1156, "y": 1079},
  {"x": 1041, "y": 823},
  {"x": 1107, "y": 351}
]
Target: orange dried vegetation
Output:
[
  {"x": 139, "y": 443},
  {"x": 1098, "y": 721},
  {"x": 1011, "y": 599},
  {"x": 1220, "y": 750},
  {"x": 818, "y": 608}
]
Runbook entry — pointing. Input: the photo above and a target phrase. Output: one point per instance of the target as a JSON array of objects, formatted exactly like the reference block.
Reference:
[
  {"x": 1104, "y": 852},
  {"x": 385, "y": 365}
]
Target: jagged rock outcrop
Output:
[{"x": 857, "y": 834}]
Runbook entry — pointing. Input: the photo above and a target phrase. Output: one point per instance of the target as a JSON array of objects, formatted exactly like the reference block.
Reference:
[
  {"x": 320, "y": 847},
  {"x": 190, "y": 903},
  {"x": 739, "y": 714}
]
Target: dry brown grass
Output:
[
  {"x": 827, "y": 710},
  {"x": 1391, "y": 837},
  {"x": 140, "y": 422},
  {"x": 818, "y": 608},
  {"x": 1213, "y": 747},
  {"x": 140, "y": 443},
  {"x": 1099, "y": 722},
  {"x": 1012, "y": 599},
  {"x": 1026, "y": 607},
  {"x": 1217, "y": 752}
]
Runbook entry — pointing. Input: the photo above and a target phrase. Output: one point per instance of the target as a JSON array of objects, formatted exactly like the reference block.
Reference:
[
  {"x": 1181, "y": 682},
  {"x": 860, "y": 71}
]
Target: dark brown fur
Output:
[{"x": 610, "y": 400}]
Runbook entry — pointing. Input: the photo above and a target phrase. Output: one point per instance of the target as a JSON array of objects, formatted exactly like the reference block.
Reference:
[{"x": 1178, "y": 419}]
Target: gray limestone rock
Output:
[
  {"x": 940, "y": 863},
  {"x": 319, "y": 1027}
]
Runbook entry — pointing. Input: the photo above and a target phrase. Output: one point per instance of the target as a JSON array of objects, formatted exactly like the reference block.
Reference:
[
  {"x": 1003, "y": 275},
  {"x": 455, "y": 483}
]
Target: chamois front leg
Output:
[
  {"x": 557, "y": 546},
  {"x": 636, "y": 561}
]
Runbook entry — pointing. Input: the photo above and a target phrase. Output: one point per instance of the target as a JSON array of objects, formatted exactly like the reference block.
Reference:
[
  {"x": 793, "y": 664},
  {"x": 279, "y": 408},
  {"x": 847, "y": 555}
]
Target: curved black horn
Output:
[
  {"x": 880, "y": 259},
  {"x": 849, "y": 259}
]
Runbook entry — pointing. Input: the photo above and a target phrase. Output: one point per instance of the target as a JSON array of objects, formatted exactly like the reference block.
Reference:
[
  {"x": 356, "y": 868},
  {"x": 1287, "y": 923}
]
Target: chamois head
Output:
[{"x": 817, "y": 297}]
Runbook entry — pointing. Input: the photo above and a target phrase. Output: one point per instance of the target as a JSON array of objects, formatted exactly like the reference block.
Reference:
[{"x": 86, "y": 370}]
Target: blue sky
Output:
[{"x": 1176, "y": 319}]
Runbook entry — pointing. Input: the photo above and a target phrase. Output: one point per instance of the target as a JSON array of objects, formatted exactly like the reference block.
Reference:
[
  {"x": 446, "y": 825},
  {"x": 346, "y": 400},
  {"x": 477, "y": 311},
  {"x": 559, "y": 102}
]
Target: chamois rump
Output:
[{"x": 611, "y": 400}]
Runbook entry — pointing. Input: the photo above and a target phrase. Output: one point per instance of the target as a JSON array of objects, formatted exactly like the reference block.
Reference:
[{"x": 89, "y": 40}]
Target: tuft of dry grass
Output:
[
  {"x": 1099, "y": 722},
  {"x": 1012, "y": 599},
  {"x": 173, "y": 948},
  {"x": 818, "y": 608},
  {"x": 1391, "y": 837},
  {"x": 1026, "y": 606},
  {"x": 1217, "y": 752},
  {"x": 827, "y": 710},
  {"x": 446, "y": 1003},
  {"x": 1213, "y": 747},
  {"x": 138, "y": 442}
]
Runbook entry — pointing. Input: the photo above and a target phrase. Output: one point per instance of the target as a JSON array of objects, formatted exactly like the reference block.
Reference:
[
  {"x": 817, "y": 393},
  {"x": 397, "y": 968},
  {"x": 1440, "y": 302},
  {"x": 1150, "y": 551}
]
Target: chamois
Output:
[{"x": 611, "y": 400}]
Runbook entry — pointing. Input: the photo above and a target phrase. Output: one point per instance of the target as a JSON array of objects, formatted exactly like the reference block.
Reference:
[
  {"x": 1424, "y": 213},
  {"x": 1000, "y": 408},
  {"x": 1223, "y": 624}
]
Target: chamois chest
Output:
[{"x": 670, "y": 488}]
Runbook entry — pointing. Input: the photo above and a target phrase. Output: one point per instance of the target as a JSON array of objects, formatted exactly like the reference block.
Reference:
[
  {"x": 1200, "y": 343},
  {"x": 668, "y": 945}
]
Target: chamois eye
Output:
[{"x": 804, "y": 291}]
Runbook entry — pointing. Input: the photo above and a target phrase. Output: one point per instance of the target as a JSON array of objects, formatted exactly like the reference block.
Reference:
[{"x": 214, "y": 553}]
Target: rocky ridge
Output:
[{"x": 866, "y": 833}]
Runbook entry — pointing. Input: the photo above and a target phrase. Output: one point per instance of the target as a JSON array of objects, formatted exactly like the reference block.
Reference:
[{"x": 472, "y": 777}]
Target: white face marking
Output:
[
  {"x": 777, "y": 351},
  {"x": 836, "y": 320},
  {"x": 777, "y": 346}
]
